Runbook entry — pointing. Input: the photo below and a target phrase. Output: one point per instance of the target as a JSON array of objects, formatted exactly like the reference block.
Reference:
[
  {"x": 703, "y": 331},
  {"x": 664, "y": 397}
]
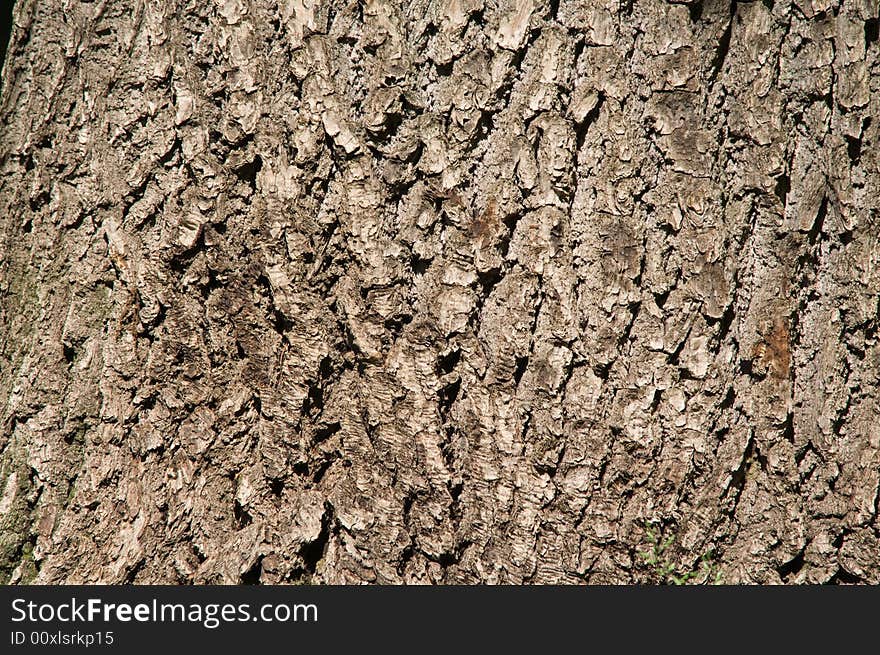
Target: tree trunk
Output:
[{"x": 440, "y": 291}]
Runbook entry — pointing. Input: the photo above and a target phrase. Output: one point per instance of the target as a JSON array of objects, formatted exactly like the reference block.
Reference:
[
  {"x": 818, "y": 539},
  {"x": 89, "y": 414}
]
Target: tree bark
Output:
[{"x": 440, "y": 291}]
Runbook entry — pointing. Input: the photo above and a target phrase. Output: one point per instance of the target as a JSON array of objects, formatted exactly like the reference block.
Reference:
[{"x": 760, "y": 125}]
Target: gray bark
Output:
[{"x": 449, "y": 291}]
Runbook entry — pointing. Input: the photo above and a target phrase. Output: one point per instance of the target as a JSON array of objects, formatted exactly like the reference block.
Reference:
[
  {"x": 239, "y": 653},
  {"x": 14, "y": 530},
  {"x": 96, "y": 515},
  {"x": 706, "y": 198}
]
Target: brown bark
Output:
[{"x": 440, "y": 291}]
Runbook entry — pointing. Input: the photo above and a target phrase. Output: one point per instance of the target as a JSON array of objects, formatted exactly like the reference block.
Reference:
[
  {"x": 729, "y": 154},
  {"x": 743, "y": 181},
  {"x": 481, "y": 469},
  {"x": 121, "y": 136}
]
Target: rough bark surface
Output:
[{"x": 440, "y": 291}]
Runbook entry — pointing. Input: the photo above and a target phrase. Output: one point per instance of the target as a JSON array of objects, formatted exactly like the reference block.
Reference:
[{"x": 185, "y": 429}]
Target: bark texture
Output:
[{"x": 440, "y": 291}]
